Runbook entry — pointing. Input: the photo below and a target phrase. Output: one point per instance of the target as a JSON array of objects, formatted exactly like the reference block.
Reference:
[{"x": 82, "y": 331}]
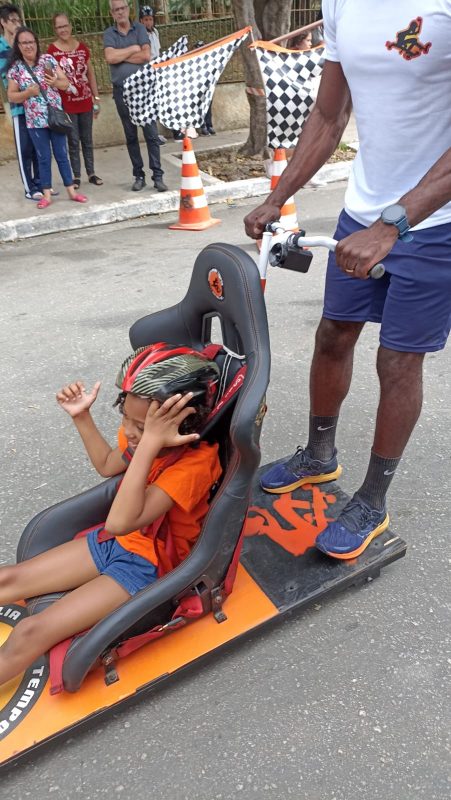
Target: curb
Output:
[{"x": 124, "y": 210}]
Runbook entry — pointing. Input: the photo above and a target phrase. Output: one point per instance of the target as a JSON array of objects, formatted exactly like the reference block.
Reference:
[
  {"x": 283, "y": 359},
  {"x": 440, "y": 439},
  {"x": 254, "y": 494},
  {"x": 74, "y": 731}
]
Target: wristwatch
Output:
[{"x": 396, "y": 215}]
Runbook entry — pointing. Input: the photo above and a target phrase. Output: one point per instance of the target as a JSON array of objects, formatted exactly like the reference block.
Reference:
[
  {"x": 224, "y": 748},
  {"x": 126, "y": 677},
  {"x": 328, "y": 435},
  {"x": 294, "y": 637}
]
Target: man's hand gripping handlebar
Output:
[{"x": 287, "y": 249}]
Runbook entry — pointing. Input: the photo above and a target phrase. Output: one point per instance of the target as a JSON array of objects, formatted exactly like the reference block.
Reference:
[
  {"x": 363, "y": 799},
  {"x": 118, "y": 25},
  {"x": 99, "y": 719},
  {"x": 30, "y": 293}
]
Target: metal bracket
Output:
[
  {"x": 109, "y": 665},
  {"x": 217, "y": 599}
]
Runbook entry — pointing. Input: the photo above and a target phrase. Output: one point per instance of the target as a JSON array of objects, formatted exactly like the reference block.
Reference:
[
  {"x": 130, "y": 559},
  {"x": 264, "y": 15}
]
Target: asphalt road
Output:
[{"x": 349, "y": 701}]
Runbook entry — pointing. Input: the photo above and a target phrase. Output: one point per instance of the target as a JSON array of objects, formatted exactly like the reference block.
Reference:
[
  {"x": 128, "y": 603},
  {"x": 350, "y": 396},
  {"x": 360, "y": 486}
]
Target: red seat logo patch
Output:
[{"x": 216, "y": 284}]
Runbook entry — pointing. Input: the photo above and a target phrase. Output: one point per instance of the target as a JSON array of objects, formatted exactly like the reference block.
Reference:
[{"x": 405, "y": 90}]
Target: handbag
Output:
[{"x": 58, "y": 120}]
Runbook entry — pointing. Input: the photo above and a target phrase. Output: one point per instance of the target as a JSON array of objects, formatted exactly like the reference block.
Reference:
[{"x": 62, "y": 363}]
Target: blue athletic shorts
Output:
[
  {"x": 412, "y": 301},
  {"x": 131, "y": 571}
]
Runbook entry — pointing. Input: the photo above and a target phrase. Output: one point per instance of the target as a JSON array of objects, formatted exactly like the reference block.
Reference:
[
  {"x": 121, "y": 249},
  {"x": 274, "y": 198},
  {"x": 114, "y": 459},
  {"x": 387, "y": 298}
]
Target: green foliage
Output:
[
  {"x": 87, "y": 16},
  {"x": 197, "y": 9},
  {"x": 183, "y": 9}
]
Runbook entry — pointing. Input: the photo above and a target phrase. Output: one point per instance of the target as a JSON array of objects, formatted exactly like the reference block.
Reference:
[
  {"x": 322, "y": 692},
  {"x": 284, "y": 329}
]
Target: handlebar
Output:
[
  {"x": 376, "y": 272},
  {"x": 279, "y": 243}
]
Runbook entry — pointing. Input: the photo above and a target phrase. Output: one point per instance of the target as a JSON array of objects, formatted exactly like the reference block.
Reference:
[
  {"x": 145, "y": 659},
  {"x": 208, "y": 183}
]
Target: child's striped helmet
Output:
[{"x": 161, "y": 370}]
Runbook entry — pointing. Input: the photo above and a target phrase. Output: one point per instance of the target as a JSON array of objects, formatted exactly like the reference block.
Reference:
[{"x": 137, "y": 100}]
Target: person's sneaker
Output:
[
  {"x": 160, "y": 186},
  {"x": 357, "y": 526},
  {"x": 298, "y": 470},
  {"x": 211, "y": 131},
  {"x": 34, "y": 196},
  {"x": 204, "y": 131},
  {"x": 178, "y": 136},
  {"x": 162, "y": 139},
  {"x": 138, "y": 184}
]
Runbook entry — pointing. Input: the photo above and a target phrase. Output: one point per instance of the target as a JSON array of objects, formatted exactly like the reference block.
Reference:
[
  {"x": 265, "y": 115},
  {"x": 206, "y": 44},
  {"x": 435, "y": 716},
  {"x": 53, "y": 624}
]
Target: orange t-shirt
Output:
[{"x": 188, "y": 483}]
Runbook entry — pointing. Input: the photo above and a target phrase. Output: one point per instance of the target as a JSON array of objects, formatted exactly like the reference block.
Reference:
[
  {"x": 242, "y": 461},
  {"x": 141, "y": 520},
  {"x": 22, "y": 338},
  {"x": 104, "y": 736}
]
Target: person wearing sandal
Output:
[
  {"x": 29, "y": 73},
  {"x": 74, "y": 58}
]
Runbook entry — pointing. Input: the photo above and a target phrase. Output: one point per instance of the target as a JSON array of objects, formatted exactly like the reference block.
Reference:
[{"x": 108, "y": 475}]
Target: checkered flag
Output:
[
  {"x": 139, "y": 88},
  {"x": 287, "y": 75},
  {"x": 185, "y": 85}
]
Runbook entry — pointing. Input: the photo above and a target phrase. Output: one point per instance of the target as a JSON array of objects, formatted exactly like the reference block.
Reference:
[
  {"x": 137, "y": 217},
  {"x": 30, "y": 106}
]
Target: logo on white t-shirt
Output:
[{"x": 407, "y": 41}]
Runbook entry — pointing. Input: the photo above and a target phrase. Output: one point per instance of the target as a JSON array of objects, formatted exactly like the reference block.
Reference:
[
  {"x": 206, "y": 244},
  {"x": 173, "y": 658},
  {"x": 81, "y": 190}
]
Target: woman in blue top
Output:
[{"x": 22, "y": 88}]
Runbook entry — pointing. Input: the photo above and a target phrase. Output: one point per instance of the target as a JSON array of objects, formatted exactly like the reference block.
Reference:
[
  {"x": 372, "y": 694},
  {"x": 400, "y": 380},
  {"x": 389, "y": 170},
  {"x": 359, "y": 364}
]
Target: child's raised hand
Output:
[
  {"x": 163, "y": 421},
  {"x": 74, "y": 398}
]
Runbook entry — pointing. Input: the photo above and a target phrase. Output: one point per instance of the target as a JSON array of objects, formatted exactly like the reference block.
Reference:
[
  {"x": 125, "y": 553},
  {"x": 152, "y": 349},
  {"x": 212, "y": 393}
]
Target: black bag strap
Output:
[{"x": 33, "y": 76}]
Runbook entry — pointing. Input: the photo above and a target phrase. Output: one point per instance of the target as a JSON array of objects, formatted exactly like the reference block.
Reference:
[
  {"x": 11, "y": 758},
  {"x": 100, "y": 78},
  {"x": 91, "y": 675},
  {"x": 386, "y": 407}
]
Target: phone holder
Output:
[{"x": 288, "y": 255}]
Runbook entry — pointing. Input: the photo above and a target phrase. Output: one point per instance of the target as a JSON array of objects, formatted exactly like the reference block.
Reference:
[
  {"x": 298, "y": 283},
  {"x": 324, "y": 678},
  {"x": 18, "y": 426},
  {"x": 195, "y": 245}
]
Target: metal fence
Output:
[{"x": 205, "y": 20}]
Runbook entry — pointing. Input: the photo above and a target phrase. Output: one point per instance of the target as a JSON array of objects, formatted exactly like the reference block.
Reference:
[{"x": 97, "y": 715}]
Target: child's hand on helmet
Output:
[
  {"x": 74, "y": 398},
  {"x": 163, "y": 421}
]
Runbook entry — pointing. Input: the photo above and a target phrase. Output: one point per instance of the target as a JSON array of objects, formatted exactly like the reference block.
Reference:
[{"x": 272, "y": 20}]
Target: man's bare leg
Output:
[
  {"x": 401, "y": 380},
  {"x": 401, "y": 397},
  {"x": 365, "y": 516},
  {"x": 330, "y": 378},
  {"x": 331, "y": 370}
]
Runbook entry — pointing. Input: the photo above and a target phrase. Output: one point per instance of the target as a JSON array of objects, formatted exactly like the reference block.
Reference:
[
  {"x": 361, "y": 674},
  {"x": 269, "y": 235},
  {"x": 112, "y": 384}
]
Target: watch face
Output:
[{"x": 393, "y": 213}]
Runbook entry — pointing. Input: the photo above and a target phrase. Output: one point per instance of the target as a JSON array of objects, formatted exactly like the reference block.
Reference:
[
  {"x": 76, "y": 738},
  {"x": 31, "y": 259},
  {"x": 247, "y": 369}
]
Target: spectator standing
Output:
[
  {"x": 147, "y": 18},
  {"x": 74, "y": 59},
  {"x": 29, "y": 73},
  {"x": 304, "y": 41},
  {"x": 207, "y": 125},
  {"x": 127, "y": 48},
  {"x": 10, "y": 22}
]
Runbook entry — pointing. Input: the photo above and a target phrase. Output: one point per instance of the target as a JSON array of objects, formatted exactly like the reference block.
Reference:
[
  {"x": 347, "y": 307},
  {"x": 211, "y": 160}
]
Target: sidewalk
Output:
[{"x": 115, "y": 202}]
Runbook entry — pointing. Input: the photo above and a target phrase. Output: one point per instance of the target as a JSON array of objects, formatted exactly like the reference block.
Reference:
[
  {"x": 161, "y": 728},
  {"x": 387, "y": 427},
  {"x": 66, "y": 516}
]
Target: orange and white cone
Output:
[
  {"x": 193, "y": 212},
  {"x": 288, "y": 217}
]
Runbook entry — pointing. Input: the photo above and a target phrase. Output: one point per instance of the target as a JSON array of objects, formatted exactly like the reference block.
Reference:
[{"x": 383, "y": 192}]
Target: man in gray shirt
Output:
[{"x": 127, "y": 48}]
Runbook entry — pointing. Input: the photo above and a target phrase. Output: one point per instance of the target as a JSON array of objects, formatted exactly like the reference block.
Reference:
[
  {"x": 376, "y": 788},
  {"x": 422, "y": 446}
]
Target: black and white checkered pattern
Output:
[
  {"x": 139, "y": 88},
  {"x": 184, "y": 89},
  {"x": 287, "y": 76}
]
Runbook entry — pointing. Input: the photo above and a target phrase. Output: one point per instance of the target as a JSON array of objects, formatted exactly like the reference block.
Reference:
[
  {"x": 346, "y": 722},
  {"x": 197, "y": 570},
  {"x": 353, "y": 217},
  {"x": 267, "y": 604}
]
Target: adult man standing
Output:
[
  {"x": 395, "y": 70},
  {"x": 10, "y": 22},
  {"x": 127, "y": 47}
]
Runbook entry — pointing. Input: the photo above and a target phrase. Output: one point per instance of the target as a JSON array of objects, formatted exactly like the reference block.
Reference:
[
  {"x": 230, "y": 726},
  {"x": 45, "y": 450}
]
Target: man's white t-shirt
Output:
[{"x": 396, "y": 57}]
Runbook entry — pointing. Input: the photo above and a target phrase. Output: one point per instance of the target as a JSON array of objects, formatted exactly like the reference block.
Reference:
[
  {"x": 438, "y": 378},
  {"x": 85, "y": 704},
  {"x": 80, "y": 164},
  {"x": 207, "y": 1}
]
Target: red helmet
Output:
[{"x": 161, "y": 370}]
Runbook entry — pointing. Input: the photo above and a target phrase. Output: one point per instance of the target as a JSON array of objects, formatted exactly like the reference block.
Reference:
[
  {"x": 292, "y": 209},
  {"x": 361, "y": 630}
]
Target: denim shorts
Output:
[
  {"x": 131, "y": 571},
  {"x": 412, "y": 301}
]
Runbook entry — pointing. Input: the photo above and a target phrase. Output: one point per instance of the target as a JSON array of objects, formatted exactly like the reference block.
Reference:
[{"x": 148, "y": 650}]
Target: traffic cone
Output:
[
  {"x": 288, "y": 217},
  {"x": 193, "y": 213}
]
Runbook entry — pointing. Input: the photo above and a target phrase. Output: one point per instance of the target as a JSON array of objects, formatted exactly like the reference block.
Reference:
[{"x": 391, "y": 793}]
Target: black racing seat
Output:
[{"x": 224, "y": 290}]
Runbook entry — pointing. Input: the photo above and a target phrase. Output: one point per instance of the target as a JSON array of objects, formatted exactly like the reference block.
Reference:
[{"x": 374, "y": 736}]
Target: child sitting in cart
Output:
[{"x": 166, "y": 394}]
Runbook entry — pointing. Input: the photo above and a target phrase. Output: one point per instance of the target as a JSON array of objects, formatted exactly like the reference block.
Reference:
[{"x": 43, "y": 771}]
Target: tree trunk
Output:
[
  {"x": 268, "y": 18},
  {"x": 273, "y": 17},
  {"x": 164, "y": 16}
]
